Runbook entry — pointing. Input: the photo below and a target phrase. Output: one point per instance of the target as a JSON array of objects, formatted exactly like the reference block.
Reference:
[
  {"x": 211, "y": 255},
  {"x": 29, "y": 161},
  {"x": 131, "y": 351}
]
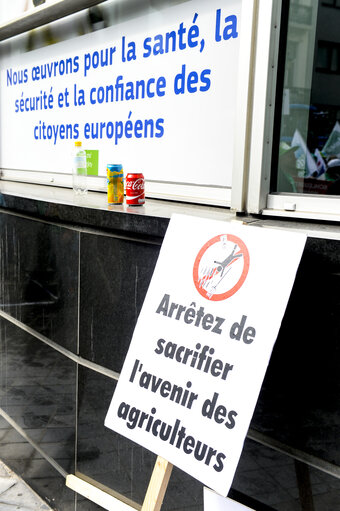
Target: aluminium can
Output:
[
  {"x": 135, "y": 189},
  {"x": 115, "y": 184}
]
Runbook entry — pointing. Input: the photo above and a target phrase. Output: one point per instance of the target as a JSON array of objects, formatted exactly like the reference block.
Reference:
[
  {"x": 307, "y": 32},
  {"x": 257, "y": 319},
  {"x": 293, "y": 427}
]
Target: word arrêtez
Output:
[
  {"x": 207, "y": 321},
  {"x": 190, "y": 315}
]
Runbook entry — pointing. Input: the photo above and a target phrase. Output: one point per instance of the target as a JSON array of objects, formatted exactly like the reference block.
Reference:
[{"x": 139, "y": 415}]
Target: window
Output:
[
  {"x": 328, "y": 57},
  {"x": 331, "y": 3},
  {"x": 309, "y": 145}
]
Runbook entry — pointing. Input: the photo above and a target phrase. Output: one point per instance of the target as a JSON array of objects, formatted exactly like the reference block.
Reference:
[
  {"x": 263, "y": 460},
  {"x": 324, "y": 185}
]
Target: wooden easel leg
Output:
[{"x": 157, "y": 486}]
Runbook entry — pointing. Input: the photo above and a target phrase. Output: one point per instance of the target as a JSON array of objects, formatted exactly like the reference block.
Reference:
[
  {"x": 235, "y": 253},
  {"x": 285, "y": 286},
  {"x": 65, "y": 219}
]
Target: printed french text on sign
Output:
[{"x": 202, "y": 343}]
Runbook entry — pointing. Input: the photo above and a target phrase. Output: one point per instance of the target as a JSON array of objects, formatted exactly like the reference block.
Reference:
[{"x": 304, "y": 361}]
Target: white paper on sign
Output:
[
  {"x": 202, "y": 343},
  {"x": 214, "y": 502}
]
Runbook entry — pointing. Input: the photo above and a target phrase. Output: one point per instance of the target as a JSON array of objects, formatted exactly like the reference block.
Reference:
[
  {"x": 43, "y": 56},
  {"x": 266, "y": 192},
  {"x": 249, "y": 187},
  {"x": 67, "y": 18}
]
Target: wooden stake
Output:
[{"x": 157, "y": 486}]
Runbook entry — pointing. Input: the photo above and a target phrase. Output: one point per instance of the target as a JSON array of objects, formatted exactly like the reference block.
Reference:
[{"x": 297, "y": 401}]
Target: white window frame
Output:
[{"x": 259, "y": 200}]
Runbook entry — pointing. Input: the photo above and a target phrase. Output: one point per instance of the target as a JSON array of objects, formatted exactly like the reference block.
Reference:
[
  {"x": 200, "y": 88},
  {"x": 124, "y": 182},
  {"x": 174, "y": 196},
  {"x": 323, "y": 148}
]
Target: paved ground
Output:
[{"x": 16, "y": 494}]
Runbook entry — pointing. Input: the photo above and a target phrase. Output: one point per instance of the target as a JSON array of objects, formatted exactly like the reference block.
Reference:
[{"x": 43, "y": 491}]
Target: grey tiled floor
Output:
[{"x": 16, "y": 494}]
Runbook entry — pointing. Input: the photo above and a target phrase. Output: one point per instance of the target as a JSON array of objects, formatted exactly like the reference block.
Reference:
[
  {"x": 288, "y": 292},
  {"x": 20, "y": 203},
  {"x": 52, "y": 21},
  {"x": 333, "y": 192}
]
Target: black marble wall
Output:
[
  {"x": 39, "y": 277},
  {"x": 299, "y": 404},
  {"x": 114, "y": 278},
  {"x": 37, "y": 392}
]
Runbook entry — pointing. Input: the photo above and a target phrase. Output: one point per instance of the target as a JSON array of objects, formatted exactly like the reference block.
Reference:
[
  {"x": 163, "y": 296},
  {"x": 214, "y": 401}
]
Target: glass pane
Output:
[
  {"x": 309, "y": 145},
  {"x": 277, "y": 482}
]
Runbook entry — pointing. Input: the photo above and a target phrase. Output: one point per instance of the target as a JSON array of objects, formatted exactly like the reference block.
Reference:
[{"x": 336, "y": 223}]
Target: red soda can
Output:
[{"x": 134, "y": 187}]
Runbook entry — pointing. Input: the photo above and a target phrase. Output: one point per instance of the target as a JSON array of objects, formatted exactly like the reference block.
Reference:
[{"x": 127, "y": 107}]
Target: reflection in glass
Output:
[
  {"x": 309, "y": 147},
  {"x": 38, "y": 393},
  {"x": 85, "y": 21},
  {"x": 39, "y": 277},
  {"x": 102, "y": 455}
]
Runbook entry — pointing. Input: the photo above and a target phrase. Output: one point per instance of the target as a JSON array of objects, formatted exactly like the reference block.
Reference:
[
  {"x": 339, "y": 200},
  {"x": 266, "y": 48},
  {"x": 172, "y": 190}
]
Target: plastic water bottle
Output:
[{"x": 79, "y": 173}]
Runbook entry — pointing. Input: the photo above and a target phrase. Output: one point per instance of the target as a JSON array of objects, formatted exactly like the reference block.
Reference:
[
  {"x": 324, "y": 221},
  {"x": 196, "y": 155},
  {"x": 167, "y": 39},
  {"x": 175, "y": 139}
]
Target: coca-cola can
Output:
[{"x": 134, "y": 188}]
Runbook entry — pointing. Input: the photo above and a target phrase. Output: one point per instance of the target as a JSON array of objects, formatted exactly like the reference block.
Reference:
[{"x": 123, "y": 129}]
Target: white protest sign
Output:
[
  {"x": 158, "y": 85},
  {"x": 202, "y": 343},
  {"x": 214, "y": 502}
]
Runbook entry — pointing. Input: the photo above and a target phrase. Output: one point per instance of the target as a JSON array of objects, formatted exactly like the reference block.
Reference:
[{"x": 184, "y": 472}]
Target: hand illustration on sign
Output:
[{"x": 223, "y": 263}]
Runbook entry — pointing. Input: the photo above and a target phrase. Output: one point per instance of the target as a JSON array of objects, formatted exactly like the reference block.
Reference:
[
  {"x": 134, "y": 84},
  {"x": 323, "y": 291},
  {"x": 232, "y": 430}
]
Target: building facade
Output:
[{"x": 74, "y": 271}]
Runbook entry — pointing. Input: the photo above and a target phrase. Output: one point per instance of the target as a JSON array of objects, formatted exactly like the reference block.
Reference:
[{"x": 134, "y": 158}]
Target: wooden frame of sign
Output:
[
  {"x": 110, "y": 499},
  {"x": 157, "y": 486}
]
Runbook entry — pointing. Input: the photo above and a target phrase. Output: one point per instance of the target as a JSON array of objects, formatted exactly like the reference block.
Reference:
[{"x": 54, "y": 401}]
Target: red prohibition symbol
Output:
[{"x": 221, "y": 267}]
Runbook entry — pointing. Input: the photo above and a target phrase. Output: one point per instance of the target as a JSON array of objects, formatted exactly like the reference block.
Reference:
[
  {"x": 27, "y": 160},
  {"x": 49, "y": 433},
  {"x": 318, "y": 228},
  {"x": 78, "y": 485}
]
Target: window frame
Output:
[
  {"x": 263, "y": 152},
  {"x": 333, "y": 5}
]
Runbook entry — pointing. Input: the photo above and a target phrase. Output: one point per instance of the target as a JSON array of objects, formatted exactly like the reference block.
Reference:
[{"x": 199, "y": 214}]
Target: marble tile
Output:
[
  {"x": 275, "y": 484},
  {"x": 115, "y": 276},
  {"x": 115, "y": 461},
  {"x": 39, "y": 277},
  {"x": 45, "y": 481},
  {"x": 299, "y": 403},
  {"x": 45, "y": 411},
  {"x": 54, "y": 490},
  {"x": 102, "y": 454}
]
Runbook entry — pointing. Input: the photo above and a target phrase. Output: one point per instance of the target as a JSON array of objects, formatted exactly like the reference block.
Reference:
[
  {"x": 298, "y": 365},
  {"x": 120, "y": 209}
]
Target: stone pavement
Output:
[{"x": 16, "y": 494}]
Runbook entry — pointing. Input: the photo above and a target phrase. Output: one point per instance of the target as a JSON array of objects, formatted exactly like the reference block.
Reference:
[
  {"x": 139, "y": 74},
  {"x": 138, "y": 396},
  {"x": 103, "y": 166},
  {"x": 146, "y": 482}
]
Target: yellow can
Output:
[{"x": 115, "y": 184}]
